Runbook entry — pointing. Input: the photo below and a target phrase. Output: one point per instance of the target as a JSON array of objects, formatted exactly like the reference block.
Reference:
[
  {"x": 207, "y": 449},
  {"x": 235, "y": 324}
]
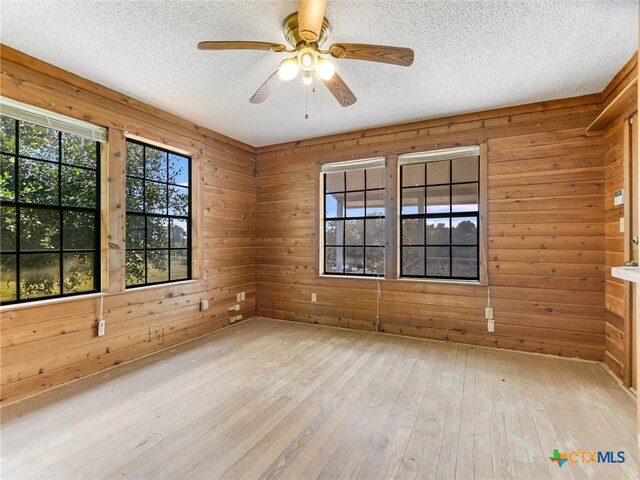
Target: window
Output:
[
  {"x": 354, "y": 218},
  {"x": 50, "y": 212},
  {"x": 440, "y": 214},
  {"x": 158, "y": 228}
]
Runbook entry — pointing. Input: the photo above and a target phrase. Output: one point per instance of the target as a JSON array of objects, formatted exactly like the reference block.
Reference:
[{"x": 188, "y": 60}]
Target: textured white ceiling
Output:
[{"x": 470, "y": 56}]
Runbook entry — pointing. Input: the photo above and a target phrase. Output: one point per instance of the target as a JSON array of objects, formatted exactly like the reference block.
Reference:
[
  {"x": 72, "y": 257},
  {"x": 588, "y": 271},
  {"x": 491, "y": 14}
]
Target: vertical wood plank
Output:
[
  {"x": 484, "y": 219},
  {"x": 392, "y": 232},
  {"x": 116, "y": 211}
]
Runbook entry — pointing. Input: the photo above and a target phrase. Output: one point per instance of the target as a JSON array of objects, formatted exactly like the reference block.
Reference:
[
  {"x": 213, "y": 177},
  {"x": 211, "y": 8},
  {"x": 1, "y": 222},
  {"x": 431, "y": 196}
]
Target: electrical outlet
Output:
[
  {"x": 488, "y": 313},
  {"x": 242, "y": 296},
  {"x": 238, "y": 297},
  {"x": 236, "y": 307},
  {"x": 491, "y": 325},
  {"x": 314, "y": 298},
  {"x": 101, "y": 328},
  {"x": 621, "y": 229},
  {"x": 235, "y": 319},
  {"x": 204, "y": 305}
]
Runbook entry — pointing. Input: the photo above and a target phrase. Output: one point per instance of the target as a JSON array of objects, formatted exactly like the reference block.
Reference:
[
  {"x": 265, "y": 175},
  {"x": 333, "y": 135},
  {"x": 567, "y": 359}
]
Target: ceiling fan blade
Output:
[
  {"x": 231, "y": 45},
  {"x": 373, "y": 53},
  {"x": 266, "y": 88},
  {"x": 340, "y": 90},
  {"x": 310, "y": 17}
]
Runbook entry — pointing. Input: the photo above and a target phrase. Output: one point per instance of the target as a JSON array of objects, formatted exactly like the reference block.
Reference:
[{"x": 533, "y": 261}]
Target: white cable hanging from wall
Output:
[{"x": 45, "y": 118}]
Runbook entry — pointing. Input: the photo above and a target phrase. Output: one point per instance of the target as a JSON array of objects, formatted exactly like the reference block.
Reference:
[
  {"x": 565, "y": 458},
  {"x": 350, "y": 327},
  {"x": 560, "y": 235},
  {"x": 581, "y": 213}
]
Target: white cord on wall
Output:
[
  {"x": 486, "y": 268},
  {"x": 101, "y": 322}
]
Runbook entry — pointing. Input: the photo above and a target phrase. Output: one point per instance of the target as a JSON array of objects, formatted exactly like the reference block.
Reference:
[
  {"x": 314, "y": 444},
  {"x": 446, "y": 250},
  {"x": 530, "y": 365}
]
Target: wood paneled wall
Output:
[
  {"x": 546, "y": 239},
  {"x": 616, "y": 176},
  {"x": 49, "y": 344}
]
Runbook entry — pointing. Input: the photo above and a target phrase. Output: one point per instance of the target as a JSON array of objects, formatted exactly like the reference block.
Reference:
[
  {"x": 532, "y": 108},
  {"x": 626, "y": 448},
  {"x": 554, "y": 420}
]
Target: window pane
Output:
[
  {"x": 412, "y": 260},
  {"x": 178, "y": 201},
  {"x": 374, "y": 231},
  {"x": 135, "y": 231},
  {"x": 157, "y": 266},
  {"x": 412, "y": 200},
  {"x": 438, "y": 199},
  {"x": 155, "y": 198},
  {"x": 355, "y": 204},
  {"x": 465, "y": 197},
  {"x": 354, "y": 232},
  {"x": 39, "y": 275},
  {"x": 135, "y": 160},
  {"x": 413, "y": 175},
  {"x": 334, "y": 205},
  {"x": 179, "y": 266},
  {"x": 155, "y": 164},
  {"x": 134, "y": 268},
  {"x": 334, "y": 182},
  {"x": 7, "y": 178},
  {"x": 135, "y": 197},
  {"x": 78, "y": 150},
  {"x": 157, "y": 232},
  {"x": 8, "y": 278},
  {"x": 7, "y": 229},
  {"x": 38, "y": 182},
  {"x": 375, "y": 178},
  {"x": 437, "y": 172},
  {"x": 465, "y": 262},
  {"x": 333, "y": 259},
  {"x": 354, "y": 260},
  {"x": 8, "y": 135},
  {"x": 438, "y": 261},
  {"x": 413, "y": 231},
  {"x": 334, "y": 230},
  {"x": 39, "y": 229},
  {"x": 79, "y": 230},
  {"x": 355, "y": 180},
  {"x": 178, "y": 170},
  {"x": 375, "y": 203},
  {"x": 465, "y": 231},
  {"x": 78, "y": 187},
  {"x": 374, "y": 261},
  {"x": 78, "y": 272},
  {"x": 38, "y": 142},
  {"x": 438, "y": 231},
  {"x": 465, "y": 169},
  {"x": 178, "y": 233},
  {"x": 345, "y": 240}
]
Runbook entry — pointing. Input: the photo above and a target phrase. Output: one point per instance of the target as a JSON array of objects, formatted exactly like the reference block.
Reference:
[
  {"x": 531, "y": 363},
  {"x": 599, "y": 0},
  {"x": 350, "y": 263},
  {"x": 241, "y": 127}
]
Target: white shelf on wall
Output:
[{"x": 631, "y": 274}]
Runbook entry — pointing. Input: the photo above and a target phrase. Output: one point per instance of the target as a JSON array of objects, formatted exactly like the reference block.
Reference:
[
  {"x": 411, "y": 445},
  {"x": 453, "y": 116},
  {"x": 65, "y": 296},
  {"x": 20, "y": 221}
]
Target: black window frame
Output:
[
  {"x": 345, "y": 218},
  {"x": 451, "y": 215},
  {"x": 61, "y": 209},
  {"x": 166, "y": 216}
]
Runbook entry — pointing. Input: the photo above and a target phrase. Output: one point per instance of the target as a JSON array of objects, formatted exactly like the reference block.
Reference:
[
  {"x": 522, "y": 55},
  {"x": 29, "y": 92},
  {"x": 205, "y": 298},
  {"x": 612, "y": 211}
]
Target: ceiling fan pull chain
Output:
[{"x": 306, "y": 103}]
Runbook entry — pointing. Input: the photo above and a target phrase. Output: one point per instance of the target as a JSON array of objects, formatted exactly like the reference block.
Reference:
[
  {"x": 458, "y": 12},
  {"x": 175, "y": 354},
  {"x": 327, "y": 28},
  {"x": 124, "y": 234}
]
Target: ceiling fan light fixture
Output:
[
  {"x": 325, "y": 68},
  {"x": 307, "y": 59},
  {"x": 307, "y": 78},
  {"x": 288, "y": 69}
]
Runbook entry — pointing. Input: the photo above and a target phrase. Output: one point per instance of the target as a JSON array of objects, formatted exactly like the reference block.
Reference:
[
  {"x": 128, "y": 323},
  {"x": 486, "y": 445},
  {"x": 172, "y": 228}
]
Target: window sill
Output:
[
  {"x": 475, "y": 283},
  {"x": 159, "y": 285},
  {"x": 89, "y": 296},
  {"x": 50, "y": 301}
]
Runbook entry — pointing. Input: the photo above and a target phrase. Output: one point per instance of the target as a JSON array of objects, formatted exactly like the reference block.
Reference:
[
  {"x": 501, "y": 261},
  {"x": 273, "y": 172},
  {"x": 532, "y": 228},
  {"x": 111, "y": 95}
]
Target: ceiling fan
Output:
[{"x": 306, "y": 30}]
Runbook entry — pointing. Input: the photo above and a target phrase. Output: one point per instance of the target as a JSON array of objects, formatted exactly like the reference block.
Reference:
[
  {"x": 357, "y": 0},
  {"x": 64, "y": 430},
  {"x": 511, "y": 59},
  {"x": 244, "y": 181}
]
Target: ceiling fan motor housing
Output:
[{"x": 293, "y": 36}]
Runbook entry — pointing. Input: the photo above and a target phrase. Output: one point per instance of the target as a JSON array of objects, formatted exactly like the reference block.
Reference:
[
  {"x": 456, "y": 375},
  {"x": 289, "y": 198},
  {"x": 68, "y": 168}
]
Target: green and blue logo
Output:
[{"x": 586, "y": 456}]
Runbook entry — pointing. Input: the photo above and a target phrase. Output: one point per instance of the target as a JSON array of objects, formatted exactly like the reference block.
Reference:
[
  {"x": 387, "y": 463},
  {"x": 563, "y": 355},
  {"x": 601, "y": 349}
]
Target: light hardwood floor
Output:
[{"x": 270, "y": 399}]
